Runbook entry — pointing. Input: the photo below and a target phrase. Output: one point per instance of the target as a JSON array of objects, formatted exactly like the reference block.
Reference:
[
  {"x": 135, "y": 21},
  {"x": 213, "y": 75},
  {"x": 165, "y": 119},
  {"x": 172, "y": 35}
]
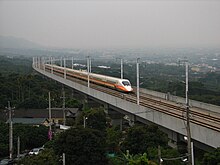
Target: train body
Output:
[{"x": 123, "y": 85}]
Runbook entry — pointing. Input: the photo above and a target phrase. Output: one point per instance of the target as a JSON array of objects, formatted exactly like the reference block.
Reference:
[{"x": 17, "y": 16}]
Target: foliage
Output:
[
  {"x": 46, "y": 157},
  {"x": 19, "y": 65},
  {"x": 30, "y": 137},
  {"x": 95, "y": 119},
  {"x": 169, "y": 155},
  {"x": 26, "y": 89},
  {"x": 139, "y": 138},
  {"x": 81, "y": 146},
  {"x": 138, "y": 159},
  {"x": 113, "y": 139},
  {"x": 212, "y": 158},
  {"x": 49, "y": 144},
  {"x": 72, "y": 103},
  {"x": 3, "y": 139}
]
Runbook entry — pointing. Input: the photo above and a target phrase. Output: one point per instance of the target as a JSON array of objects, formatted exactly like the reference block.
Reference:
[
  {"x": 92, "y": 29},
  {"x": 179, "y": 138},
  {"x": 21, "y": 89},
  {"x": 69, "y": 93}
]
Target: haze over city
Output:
[{"x": 111, "y": 23}]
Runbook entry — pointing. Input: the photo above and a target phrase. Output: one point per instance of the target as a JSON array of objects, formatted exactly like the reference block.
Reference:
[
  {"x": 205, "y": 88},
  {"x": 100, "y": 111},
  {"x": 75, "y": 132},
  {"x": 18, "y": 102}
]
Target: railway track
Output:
[{"x": 200, "y": 118}]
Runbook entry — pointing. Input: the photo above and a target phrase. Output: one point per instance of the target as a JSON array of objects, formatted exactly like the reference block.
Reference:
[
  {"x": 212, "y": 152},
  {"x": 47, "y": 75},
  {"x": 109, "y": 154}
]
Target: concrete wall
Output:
[{"x": 181, "y": 100}]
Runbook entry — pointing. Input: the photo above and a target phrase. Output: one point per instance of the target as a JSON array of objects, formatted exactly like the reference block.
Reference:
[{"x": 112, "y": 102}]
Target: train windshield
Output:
[{"x": 126, "y": 83}]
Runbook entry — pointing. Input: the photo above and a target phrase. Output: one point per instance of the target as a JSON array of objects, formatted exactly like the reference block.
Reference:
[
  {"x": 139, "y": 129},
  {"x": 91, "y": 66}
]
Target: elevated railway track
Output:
[
  {"x": 208, "y": 120},
  {"x": 153, "y": 107}
]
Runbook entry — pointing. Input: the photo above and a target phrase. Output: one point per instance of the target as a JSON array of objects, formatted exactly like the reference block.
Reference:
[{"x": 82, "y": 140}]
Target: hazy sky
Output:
[{"x": 113, "y": 23}]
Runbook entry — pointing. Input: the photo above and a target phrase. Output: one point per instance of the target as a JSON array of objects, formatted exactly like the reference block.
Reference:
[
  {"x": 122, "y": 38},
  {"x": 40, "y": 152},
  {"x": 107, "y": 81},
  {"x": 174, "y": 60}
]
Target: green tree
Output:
[
  {"x": 3, "y": 139},
  {"x": 169, "y": 155},
  {"x": 31, "y": 136},
  {"x": 139, "y": 138},
  {"x": 81, "y": 146},
  {"x": 95, "y": 119},
  {"x": 212, "y": 158},
  {"x": 46, "y": 157},
  {"x": 138, "y": 159},
  {"x": 113, "y": 139}
]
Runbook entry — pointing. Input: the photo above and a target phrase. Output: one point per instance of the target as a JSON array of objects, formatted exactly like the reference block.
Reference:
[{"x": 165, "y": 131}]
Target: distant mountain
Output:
[{"x": 18, "y": 43}]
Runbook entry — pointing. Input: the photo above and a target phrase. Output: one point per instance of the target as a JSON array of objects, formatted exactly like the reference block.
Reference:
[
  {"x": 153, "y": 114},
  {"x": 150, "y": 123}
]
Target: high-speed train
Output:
[{"x": 123, "y": 85}]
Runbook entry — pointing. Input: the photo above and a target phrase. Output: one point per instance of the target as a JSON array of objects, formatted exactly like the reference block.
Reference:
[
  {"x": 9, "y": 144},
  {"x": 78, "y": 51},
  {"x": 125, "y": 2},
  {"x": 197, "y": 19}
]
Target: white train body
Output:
[{"x": 112, "y": 82}]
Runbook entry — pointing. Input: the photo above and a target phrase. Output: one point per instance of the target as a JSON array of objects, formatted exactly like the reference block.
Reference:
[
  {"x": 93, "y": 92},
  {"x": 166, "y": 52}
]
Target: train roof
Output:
[{"x": 93, "y": 74}]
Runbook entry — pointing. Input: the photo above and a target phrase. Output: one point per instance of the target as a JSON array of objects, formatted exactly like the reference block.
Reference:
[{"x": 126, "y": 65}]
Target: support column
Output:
[
  {"x": 117, "y": 118},
  {"x": 85, "y": 101},
  {"x": 132, "y": 120}
]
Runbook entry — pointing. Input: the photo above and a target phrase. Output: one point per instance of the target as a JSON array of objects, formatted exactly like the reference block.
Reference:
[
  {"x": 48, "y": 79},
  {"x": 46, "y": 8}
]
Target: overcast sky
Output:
[{"x": 113, "y": 23}]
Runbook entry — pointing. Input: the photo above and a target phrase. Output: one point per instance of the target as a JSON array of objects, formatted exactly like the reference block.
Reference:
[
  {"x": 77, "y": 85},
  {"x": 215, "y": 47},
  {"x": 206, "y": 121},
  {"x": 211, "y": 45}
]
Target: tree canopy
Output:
[
  {"x": 82, "y": 146},
  {"x": 139, "y": 138},
  {"x": 30, "y": 137}
]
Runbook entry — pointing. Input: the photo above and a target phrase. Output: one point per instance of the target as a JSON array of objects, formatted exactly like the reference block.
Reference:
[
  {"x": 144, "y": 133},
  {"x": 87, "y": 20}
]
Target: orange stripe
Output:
[
  {"x": 121, "y": 88},
  {"x": 77, "y": 75}
]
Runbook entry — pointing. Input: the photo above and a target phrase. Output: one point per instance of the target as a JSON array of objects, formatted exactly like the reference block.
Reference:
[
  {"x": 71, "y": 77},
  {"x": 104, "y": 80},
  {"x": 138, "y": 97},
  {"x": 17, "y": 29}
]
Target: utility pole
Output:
[
  {"x": 39, "y": 62},
  {"x": 18, "y": 147},
  {"x": 188, "y": 116},
  {"x": 88, "y": 69},
  {"x": 50, "y": 123},
  {"x": 159, "y": 155},
  {"x": 138, "y": 92},
  {"x": 84, "y": 121},
  {"x": 51, "y": 64},
  {"x": 64, "y": 108},
  {"x": 192, "y": 153},
  {"x": 72, "y": 62},
  {"x": 61, "y": 61},
  {"x": 121, "y": 68},
  {"x": 64, "y": 63},
  {"x": 64, "y": 159},
  {"x": 121, "y": 60},
  {"x": 33, "y": 62},
  {"x": 90, "y": 65},
  {"x": 44, "y": 64},
  {"x": 9, "y": 109},
  {"x": 189, "y": 144}
]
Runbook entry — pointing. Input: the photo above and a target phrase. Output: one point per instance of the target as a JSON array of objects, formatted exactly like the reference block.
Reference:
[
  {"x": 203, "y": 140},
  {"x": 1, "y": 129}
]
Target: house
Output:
[
  {"x": 41, "y": 116},
  {"x": 30, "y": 121}
]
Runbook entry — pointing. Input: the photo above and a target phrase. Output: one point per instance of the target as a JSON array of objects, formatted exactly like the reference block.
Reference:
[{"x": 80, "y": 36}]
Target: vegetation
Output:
[
  {"x": 30, "y": 137},
  {"x": 82, "y": 146},
  {"x": 98, "y": 143},
  {"x": 212, "y": 158},
  {"x": 26, "y": 89},
  {"x": 95, "y": 119},
  {"x": 46, "y": 157},
  {"x": 140, "y": 138}
]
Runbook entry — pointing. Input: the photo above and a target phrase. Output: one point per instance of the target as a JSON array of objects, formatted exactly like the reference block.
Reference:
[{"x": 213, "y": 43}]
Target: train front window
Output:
[{"x": 126, "y": 83}]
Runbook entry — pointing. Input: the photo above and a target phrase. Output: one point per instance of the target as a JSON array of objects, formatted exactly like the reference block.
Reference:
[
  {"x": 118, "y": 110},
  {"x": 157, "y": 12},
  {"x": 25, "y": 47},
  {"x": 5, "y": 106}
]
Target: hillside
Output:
[{"x": 17, "y": 43}]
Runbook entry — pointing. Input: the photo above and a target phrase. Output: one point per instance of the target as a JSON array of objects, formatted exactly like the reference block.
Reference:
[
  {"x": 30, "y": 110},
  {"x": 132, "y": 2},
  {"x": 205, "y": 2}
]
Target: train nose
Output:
[{"x": 128, "y": 88}]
